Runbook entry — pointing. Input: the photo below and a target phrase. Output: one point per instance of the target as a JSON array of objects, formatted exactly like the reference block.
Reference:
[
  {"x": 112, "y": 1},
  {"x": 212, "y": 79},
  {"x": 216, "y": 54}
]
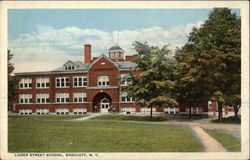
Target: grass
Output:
[
  {"x": 98, "y": 136},
  {"x": 130, "y": 118},
  {"x": 44, "y": 117},
  {"x": 147, "y": 118},
  {"x": 229, "y": 120},
  {"x": 231, "y": 143}
]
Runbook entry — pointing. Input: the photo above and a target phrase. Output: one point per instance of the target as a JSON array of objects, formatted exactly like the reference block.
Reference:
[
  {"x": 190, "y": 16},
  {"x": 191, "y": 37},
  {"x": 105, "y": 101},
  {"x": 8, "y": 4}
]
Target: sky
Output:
[{"x": 44, "y": 39}]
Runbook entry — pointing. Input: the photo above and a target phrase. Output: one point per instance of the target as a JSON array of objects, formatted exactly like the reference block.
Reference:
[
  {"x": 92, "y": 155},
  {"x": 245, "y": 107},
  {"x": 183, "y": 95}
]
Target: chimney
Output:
[{"x": 87, "y": 53}]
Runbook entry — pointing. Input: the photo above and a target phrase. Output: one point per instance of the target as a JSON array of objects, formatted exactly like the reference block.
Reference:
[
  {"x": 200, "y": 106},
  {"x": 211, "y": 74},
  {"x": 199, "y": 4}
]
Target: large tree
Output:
[
  {"x": 215, "y": 49},
  {"x": 12, "y": 81},
  {"x": 155, "y": 85},
  {"x": 189, "y": 85}
]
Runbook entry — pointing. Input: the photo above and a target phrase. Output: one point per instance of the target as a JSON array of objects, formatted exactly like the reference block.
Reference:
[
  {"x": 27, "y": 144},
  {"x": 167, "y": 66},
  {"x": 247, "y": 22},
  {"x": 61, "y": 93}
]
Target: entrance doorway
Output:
[
  {"x": 102, "y": 102},
  {"x": 104, "y": 105}
]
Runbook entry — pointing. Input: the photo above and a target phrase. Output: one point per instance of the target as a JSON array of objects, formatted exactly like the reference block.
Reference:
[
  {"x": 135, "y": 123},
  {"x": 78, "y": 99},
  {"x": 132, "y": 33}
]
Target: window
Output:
[
  {"x": 126, "y": 98},
  {"x": 124, "y": 82},
  {"x": 42, "y": 98},
  {"x": 103, "y": 81},
  {"x": 80, "y": 81},
  {"x": 62, "y": 111},
  {"x": 79, "y": 110},
  {"x": 62, "y": 82},
  {"x": 79, "y": 97},
  {"x": 128, "y": 110},
  {"x": 25, "y": 98},
  {"x": 62, "y": 97},
  {"x": 42, "y": 111},
  {"x": 42, "y": 83},
  {"x": 147, "y": 110},
  {"x": 195, "y": 110},
  {"x": 70, "y": 67},
  {"x": 171, "y": 110},
  {"x": 25, "y": 83},
  {"x": 25, "y": 111}
]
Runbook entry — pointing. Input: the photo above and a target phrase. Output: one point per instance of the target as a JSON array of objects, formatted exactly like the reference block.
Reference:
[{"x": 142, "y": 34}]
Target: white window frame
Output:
[
  {"x": 25, "y": 81},
  {"x": 25, "y": 111},
  {"x": 42, "y": 98},
  {"x": 25, "y": 98},
  {"x": 62, "y": 111},
  {"x": 79, "y": 110},
  {"x": 78, "y": 83},
  {"x": 40, "y": 111},
  {"x": 42, "y": 81},
  {"x": 126, "y": 99},
  {"x": 128, "y": 110},
  {"x": 62, "y": 79},
  {"x": 62, "y": 97},
  {"x": 147, "y": 110},
  {"x": 124, "y": 83},
  {"x": 79, "y": 97},
  {"x": 103, "y": 81}
]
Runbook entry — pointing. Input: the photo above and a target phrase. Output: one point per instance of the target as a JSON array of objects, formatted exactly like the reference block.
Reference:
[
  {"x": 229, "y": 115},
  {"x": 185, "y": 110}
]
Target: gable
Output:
[{"x": 103, "y": 62}]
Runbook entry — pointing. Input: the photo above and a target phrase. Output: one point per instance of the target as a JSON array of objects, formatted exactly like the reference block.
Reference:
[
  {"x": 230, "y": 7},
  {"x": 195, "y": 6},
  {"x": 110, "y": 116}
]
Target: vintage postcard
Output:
[{"x": 124, "y": 80}]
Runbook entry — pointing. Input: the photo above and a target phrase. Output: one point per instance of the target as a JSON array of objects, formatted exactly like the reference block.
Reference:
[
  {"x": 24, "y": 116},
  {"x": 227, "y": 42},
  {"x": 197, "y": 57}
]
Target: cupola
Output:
[{"x": 116, "y": 53}]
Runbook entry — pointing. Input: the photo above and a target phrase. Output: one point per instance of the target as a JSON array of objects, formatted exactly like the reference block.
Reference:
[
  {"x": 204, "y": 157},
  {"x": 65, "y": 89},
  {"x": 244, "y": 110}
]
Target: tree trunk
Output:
[
  {"x": 220, "y": 111},
  {"x": 236, "y": 110},
  {"x": 151, "y": 112},
  {"x": 190, "y": 112}
]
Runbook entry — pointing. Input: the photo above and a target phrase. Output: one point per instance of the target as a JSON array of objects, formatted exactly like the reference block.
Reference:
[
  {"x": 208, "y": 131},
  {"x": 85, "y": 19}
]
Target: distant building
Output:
[{"x": 79, "y": 87}]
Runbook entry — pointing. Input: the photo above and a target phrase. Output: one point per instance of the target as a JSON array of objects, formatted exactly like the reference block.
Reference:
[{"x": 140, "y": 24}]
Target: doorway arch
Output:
[{"x": 102, "y": 102}]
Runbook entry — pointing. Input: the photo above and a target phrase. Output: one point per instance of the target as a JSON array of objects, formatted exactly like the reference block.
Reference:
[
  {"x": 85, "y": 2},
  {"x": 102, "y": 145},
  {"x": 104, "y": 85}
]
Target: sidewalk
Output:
[
  {"x": 89, "y": 117},
  {"x": 210, "y": 144}
]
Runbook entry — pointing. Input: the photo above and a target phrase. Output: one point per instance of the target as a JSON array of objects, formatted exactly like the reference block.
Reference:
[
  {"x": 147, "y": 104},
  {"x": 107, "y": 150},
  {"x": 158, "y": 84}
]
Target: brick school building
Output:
[{"x": 87, "y": 86}]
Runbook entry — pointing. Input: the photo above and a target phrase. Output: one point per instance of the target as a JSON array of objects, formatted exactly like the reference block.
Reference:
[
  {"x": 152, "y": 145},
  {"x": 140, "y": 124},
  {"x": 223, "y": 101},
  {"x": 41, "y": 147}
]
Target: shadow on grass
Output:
[
  {"x": 154, "y": 118},
  {"x": 228, "y": 120}
]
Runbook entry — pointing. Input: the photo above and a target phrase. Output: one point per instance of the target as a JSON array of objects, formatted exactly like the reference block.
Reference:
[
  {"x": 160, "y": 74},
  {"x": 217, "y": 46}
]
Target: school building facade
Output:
[{"x": 88, "y": 86}]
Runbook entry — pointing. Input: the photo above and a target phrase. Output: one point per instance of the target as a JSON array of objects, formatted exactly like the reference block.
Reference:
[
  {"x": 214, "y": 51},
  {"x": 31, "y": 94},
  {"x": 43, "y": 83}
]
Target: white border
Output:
[{"x": 243, "y": 5}]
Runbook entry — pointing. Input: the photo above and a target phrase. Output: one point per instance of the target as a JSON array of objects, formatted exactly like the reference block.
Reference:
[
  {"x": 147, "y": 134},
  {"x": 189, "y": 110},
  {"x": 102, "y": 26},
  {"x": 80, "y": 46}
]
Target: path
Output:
[
  {"x": 88, "y": 117},
  {"x": 210, "y": 144}
]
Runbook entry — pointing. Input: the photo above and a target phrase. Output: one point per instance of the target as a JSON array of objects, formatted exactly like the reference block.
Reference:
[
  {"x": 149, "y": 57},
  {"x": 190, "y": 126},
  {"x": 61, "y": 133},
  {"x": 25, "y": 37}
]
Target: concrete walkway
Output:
[
  {"x": 89, "y": 117},
  {"x": 210, "y": 144}
]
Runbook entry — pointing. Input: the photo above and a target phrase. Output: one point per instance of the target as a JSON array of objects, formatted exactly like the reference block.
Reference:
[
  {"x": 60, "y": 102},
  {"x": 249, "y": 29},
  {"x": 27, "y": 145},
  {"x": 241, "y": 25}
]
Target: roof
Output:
[
  {"x": 126, "y": 64},
  {"x": 82, "y": 67},
  {"x": 115, "y": 48}
]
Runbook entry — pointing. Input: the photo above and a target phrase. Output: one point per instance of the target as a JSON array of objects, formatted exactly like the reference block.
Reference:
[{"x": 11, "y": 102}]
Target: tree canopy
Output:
[
  {"x": 155, "y": 84},
  {"x": 210, "y": 63},
  {"x": 12, "y": 81}
]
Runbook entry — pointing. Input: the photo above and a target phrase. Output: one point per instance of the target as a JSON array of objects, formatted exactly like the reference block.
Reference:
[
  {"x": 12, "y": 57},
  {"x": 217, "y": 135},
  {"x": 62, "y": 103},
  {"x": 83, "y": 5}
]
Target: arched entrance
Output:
[{"x": 102, "y": 102}]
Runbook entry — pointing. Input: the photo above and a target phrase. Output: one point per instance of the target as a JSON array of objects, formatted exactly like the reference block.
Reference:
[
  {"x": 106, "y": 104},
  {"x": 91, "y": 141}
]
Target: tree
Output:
[
  {"x": 12, "y": 81},
  {"x": 216, "y": 50},
  {"x": 189, "y": 85},
  {"x": 155, "y": 84}
]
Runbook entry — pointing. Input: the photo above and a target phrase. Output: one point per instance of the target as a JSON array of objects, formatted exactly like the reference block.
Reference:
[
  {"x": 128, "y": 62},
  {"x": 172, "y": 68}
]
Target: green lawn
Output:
[
  {"x": 98, "y": 136},
  {"x": 44, "y": 117},
  {"x": 227, "y": 140},
  {"x": 130, "y": 118}
]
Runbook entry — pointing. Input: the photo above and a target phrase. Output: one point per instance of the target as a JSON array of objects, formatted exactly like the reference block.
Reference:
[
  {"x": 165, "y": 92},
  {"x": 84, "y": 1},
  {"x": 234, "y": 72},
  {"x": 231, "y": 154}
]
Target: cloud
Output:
[{"x": 48, "y": 48}]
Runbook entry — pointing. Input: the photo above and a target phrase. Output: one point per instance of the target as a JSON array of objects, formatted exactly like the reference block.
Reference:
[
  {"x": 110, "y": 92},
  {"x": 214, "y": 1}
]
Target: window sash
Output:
[
  {"x": 25, "y": 98},
  {"x": 25, "y": 83},
  {"x": 62, "y": 98},
  {"x": 103, "y": 81},
  {"x": 80, "y": 81},
  {"x": 62, "y": 82}
]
